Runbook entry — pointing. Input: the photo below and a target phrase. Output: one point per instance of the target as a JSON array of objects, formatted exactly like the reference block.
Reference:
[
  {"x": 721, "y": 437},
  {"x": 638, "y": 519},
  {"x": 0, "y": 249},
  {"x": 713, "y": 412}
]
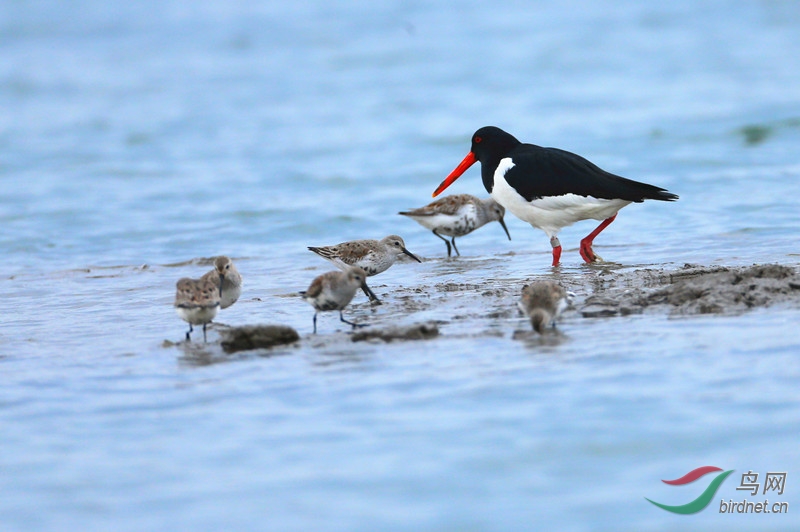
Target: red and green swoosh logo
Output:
[{"x": 704, "y": 498}]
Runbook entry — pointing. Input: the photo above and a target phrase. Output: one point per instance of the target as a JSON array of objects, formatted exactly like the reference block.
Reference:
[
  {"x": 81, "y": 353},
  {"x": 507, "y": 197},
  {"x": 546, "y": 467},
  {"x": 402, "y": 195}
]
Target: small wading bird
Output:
[
  {"x": 197, "y": 303},
  {"x": 457, "y": 215},
  {"x": 550, "y": 188},
  {"x": 543, "y": 302},
  {"x": 372, "y": 256},
  {"x": 334, "y": 291},
  {"x": 227, "y": 278}
]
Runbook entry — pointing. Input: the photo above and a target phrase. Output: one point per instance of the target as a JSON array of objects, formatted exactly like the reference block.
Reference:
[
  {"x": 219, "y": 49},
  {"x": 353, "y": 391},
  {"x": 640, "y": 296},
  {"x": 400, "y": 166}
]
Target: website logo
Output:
[{"x": 704, "y": 499}]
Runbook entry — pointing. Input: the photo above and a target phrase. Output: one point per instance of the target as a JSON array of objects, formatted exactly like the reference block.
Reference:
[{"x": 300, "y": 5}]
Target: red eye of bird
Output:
[{"x": 477, "y": 140}]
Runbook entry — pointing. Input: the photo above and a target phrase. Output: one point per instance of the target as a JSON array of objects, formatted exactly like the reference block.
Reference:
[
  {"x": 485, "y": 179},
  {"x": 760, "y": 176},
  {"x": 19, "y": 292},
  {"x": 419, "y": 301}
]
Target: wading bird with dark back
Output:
[{"x": 550, "y": 188}]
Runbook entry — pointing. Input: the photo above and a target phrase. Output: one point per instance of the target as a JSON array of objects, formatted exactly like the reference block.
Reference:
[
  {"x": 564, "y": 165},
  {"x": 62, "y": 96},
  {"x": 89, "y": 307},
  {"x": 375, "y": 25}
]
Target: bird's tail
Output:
[{"x": 665, "y": 195}]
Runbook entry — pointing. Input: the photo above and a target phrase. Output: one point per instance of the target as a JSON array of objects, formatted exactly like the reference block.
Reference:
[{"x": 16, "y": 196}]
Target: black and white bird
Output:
[{"x": 550, "y": 188}]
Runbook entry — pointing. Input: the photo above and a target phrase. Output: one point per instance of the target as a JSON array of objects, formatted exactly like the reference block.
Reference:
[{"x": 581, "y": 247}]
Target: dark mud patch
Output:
[
  {"x": 248, "y": 337},
  {"x": 696, "y": 290},
  {"x": 419, "y": 331}
]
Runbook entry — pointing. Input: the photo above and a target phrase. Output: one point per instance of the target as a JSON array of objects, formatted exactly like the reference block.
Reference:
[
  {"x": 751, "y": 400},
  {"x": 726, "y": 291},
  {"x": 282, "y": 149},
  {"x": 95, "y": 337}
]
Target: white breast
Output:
[
  {"x": 551, "y": 213},
  {"x": 460, "y": 223},
  {"x": 197, "y": 315}
]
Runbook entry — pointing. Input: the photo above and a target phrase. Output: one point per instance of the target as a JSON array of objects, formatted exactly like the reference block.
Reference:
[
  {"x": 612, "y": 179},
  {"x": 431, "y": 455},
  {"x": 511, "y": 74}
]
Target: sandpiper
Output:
[
  {"x": 550, "y": 188},
  {"x": 457, "y": 215},
  {"x": 227, "y": 279},
  {"x": 543, "y": 302},
  {"x": 197, "y": 303},
  {"x": 372, "y": 256},
  {"x": 334, "y": 291}
]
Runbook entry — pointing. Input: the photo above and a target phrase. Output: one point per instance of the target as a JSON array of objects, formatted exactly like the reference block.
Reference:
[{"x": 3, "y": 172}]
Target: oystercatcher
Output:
[{"x": 550, "y": 188}]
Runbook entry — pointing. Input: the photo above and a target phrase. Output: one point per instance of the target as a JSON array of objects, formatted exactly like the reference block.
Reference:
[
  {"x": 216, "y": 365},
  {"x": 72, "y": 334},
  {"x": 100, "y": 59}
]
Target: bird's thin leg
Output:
[
  {"x": 556, "y": 249},
  {"x": 341, "y": 317},
  {"x": 315, "y": 323},
  {"x": 189, "y": 338},
  {"x": 453, "y": 240},
  {"x": 204, "y": 333},
  {"x": 369, "y": 293},
  {"x": 586, "y": 244},
  {"x": 446, "y": 243}
]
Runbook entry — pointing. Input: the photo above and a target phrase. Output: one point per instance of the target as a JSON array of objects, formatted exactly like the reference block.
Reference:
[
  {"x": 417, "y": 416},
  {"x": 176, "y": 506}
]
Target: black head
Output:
[
  {"x": 489, "y": 145},
  {"x": 492, "y": 144}
]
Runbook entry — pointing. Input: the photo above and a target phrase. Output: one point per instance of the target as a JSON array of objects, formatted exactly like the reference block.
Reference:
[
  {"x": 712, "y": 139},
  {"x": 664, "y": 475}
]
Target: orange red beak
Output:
[{"x": 468, "y": 161}]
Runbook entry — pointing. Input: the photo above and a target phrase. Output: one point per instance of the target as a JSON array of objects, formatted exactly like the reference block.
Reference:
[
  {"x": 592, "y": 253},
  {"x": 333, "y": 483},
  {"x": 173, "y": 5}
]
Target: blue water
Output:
[{"x": 138, "y": 138}]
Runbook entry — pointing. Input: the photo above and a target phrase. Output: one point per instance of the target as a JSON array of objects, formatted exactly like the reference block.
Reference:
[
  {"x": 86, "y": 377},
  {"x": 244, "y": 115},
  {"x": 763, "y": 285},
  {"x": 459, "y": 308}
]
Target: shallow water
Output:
[{"x": 136, "y": 140}]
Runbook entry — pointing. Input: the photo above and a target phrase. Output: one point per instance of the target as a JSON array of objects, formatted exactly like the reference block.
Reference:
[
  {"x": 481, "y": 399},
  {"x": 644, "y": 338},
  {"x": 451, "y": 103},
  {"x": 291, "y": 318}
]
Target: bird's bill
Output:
[
  {"x": 407, "y": 252},
  {"x": 504, "y": 227},
  {"x": 221, "y": 281},
  {"x": 468, "y": 161}
]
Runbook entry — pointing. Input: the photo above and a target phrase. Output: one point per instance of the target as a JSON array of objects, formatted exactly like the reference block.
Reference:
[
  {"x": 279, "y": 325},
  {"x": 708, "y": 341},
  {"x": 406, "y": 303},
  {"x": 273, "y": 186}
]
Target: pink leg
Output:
[
  {"x": 586, "y": 244},
  {"x": 556, "y": 250}
]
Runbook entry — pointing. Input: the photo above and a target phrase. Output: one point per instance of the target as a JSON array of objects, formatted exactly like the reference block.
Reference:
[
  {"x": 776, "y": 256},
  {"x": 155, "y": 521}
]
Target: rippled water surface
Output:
[{"x": 138, "y": 139}]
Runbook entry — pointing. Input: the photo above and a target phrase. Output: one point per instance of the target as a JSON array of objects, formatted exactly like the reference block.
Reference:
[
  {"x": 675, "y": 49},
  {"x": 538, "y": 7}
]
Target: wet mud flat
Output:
[
  {"x": 618, "y": 291},
  {"x": 482, "y": 306},
  {"x": 694, "y": 290}
]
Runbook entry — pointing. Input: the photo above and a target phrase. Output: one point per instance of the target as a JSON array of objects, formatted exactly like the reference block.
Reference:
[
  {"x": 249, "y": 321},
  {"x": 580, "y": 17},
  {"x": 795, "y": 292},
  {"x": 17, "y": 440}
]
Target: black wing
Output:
[{"x": 541, "y": 172}]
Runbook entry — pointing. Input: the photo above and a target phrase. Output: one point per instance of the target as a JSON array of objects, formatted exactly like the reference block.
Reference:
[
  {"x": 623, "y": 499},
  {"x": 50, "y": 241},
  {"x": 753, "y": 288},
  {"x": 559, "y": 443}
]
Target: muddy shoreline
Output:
[
  {"x": 695, "y": 289},
  {"x": 489, "y": 308}
]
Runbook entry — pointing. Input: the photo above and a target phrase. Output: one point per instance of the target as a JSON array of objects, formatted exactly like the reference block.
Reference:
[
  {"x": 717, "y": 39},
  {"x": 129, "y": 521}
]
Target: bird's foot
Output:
[
  {"x": 586, "y": 244},
  {"x": 588, "y": 253}
]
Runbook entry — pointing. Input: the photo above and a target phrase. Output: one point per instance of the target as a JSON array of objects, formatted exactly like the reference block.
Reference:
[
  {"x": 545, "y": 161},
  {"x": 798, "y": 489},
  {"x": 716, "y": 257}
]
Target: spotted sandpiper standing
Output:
[
  {"x": 372, "y": 256},
  {"x": 457, "y": 215},
  {"x": 227, "y": 279},
  {"x": 334, "y": 291},
  {"x": 197, "y": 303}
]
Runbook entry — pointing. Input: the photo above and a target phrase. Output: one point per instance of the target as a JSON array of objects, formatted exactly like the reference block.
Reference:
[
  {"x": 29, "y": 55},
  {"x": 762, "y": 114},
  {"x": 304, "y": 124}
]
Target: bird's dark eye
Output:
[{"x": 478, "y": 139}]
